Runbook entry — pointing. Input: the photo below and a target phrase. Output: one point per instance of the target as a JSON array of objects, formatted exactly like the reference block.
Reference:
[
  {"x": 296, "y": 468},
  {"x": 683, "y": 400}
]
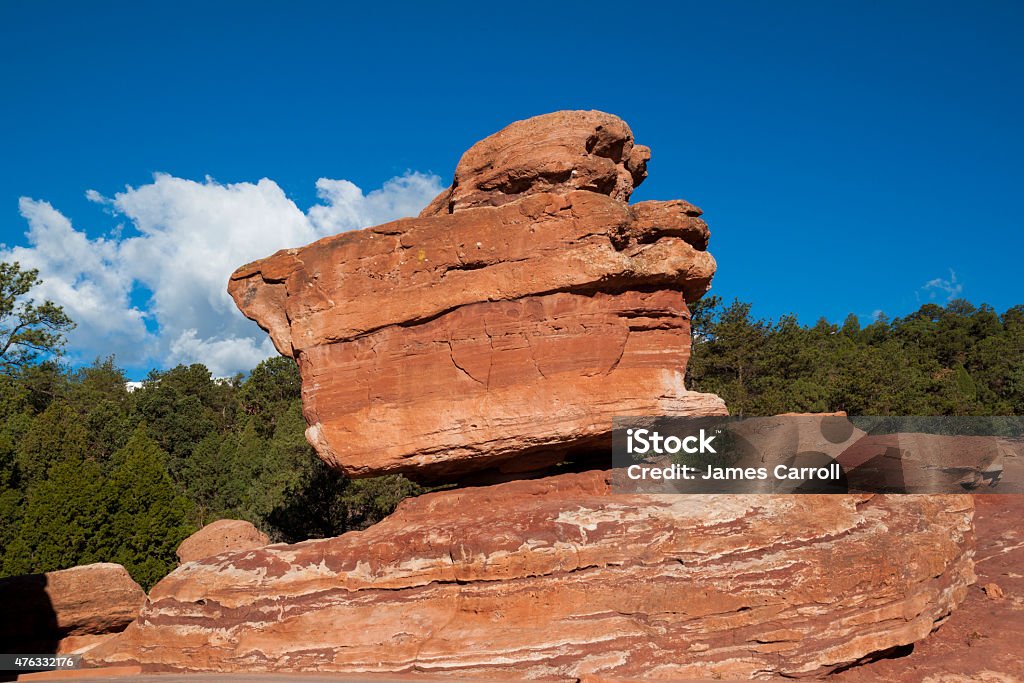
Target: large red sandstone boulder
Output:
[
  {"x": 558, "y": 578},
  {"x": 224, "y": 535},
  {"x": 508, "y": 325},
  {"x": 66, "y": 610}
]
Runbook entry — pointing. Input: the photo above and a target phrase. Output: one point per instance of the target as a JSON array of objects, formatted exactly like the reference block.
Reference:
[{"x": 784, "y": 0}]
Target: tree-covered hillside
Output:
[
  {"x": 91, "y": 472},
  {"x": 952, "y": 360}
]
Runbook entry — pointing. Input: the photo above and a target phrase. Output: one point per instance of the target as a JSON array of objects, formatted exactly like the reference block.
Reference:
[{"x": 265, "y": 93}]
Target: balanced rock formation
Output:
[
  {"x": 502, "y": 330},
  {"x": 558, "y": 578},
  {"x": 507, "y": 326},
  {"x": 224, "y": 535},
  {"x": 67, "y": 610}
]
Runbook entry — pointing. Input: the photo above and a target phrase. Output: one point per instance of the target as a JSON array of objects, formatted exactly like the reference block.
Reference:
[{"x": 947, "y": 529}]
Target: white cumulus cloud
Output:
[{"x": 156, "y": 294}]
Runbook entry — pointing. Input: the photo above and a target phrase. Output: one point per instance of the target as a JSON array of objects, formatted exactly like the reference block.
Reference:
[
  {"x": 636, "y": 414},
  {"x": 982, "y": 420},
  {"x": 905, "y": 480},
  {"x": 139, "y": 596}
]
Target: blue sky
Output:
[{"x": 846, "y": 154}]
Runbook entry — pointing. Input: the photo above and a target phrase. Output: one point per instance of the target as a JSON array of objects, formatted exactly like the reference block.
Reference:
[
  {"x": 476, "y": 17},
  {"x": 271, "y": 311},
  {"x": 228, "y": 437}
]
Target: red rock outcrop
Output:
[
  {"x": 558, "y": 578},
  {"x": 67, "y": 610},
  {"x": 224, "y": 535},
  {"x": 507, "y": 326}
]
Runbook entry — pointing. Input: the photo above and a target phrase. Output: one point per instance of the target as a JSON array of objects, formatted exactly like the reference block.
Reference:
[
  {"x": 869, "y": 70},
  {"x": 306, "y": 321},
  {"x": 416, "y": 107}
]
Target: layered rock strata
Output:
[{"x": 558, "y": 578}]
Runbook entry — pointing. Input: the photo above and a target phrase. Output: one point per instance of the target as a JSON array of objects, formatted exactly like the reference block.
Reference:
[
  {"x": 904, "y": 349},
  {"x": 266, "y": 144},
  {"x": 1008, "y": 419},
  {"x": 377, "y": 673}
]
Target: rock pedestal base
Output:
[{"x": 559, "y": 578}]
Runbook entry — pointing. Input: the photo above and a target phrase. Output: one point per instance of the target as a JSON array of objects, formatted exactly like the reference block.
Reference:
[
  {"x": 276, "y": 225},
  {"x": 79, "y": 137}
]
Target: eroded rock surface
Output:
[
  {"x": 507, "y": 326},
  {"x": 981, "y": 642},
  {"x": 224, "y": 535},
  {"x": 564, "y": 150},
  {"x": 557, "y": 578}
]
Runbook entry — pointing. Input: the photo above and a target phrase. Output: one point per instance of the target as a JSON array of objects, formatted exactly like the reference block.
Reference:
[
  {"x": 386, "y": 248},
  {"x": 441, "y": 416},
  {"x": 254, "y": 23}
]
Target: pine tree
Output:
[
  {"x": 57, "y": 435},
  {"x": 210, "y": 480},
  {"x": 98, "y": 394},
  {"x": 28, "y": 331},
  {"x": 148, "y": 518},
  {"x": 64, "y": 523}
]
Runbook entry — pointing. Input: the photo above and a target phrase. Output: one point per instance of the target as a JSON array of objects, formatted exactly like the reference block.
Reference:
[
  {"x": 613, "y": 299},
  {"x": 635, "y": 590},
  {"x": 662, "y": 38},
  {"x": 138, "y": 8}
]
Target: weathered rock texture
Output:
[
  {"x": 557, "y": 578},
  {"x": 566, "y": 150},
  {"x": 506, "y": 327},
  {"x": 67, "y": 609},
  {"x": 981, "y": 642},
  {"x": 222, "y": 536}
]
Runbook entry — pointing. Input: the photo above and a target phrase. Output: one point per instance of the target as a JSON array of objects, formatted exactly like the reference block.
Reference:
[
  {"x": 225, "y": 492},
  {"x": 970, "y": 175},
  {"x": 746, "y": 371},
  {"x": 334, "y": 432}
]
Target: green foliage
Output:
[
  {"x": 42, "y": 384},
  {"x": 90, "y": 472},
  {"x": 11, "y": 496},
  {"x": 64, "y": 522},
  {"x": 146, "y": 517},
  {"x": 329, "y": 504},
  {"x": 28, "y": 331},
  {"x": 57, "y": 435},
  {"x": 273, "y": 384},
  {"x": 210, "y": 482},
  {"x": 952, "y": 360},
  {"x": 99, "y": 396},
  {"x": 77, "y": 515},
  {"x": 281, "y": 464},
  {"x": 180, "y": 407}
]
